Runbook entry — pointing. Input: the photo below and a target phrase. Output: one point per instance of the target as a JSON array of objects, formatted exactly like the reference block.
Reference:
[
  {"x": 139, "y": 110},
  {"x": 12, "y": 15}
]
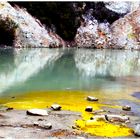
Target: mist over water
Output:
[{"x": 43, "y": 69}]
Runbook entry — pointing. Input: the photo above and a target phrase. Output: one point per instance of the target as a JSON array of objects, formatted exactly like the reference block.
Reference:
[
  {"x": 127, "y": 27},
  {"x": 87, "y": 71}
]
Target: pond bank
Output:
[
  {"x": 62, "y": 122},
  {"x": 72, "y": 121}
]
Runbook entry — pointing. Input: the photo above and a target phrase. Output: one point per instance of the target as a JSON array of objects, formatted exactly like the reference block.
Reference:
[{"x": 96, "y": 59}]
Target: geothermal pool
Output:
[
  {"x": 106, "y": 73},
  {"x": 39, "y": 77}
]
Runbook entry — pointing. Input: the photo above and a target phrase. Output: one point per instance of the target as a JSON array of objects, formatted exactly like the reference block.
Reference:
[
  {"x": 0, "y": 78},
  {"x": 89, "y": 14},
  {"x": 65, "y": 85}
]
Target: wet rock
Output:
[
  {"x": 110, "y": 118},
  {"x": 126, "y": 108},
  {"x": 89, "y": 109},
  {"x": 116, "y": 118},
  {"x": 90, "y": 98},
  {"x": 37, "y": 112},
  {"x": 137, "y": 130},
  {"x": 56, "y": 107}
]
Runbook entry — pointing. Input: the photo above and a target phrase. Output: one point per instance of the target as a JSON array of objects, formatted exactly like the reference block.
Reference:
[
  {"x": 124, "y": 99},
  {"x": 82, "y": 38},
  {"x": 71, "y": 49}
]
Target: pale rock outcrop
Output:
[
  {"x": 123, "y": 33},
  {"x": 91, "y": 34},
  {"x": 28, "y": 31},
  {"x": 122, "y": 7},
  {"x": 126, "y": 31}
]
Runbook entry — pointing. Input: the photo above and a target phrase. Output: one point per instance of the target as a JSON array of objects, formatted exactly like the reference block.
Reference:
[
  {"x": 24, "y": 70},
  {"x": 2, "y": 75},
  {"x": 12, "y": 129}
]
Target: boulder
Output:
[
  {"x": 111, "y": 118},
  {"x": 90, "y": 98},
  {"x": 137, "y": 130},
  {"x": 37, "y": 112},
  {"x": 56, "y": 107}
]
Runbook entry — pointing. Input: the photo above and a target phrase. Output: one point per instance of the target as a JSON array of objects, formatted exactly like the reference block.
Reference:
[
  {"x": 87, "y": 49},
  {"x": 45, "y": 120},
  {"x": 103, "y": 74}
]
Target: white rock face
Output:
[
  {"x": 29, "y": 31},
  {"x": 126, "y": 31},
  {"x": 93, "y": 34},
  {"x": 122, "y": 7},
  {"x": 40, "y": 112}
]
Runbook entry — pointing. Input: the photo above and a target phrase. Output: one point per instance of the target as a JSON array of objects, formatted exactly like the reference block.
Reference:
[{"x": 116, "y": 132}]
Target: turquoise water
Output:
[{"x": 42, "y": 69}]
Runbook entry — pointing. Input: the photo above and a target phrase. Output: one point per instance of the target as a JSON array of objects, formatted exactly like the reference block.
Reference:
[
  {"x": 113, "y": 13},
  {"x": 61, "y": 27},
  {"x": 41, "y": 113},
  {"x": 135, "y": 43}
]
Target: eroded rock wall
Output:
[
  {"x": 28, "y": 31},
  {"x": 126, "y": 31}
]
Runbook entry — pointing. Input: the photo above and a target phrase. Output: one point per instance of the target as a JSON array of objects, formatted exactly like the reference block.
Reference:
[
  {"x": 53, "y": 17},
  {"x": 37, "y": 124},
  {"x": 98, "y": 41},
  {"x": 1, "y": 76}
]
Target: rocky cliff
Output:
[
  {"x": 122, "y": 33},
  {"x": 25, "y": 30},
  {"x": 81, "y": 24},
  {"x": 126, "y": 31}
]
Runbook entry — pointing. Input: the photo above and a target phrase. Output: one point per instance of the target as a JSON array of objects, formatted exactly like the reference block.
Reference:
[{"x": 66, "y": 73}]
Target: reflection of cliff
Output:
[
  {"x": 107, "y": 63},
  {"x": 27, "y": 62}
]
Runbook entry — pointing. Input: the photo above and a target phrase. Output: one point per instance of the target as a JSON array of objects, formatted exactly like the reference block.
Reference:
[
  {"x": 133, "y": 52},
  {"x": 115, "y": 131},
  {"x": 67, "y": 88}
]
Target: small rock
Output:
[
  {"x": 40, "y": 119},
  {"x": 13, "y": 97},
  {"x": 9, "y": 108},
  {"x": 137, "y": 130},
  {"x": 74, "y": 127},
  {"x": 38, "y": 112},
  {"x": 47, "y": 126},
  {"x": 56, "y": 107},
  {"x": 89, "y": 109},
  {"x": 126, "y": 108},
  {"x": 90, "y": 98},
  {"x": 36, "y": 123}
]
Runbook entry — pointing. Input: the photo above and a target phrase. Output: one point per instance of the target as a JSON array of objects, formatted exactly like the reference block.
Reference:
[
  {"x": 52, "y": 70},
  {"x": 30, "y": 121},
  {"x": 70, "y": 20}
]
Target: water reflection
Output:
[
  {"x": 107, "y": 63},
  {"x": 27, "y": 62},
  {"x": 62, "y": 69}
]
